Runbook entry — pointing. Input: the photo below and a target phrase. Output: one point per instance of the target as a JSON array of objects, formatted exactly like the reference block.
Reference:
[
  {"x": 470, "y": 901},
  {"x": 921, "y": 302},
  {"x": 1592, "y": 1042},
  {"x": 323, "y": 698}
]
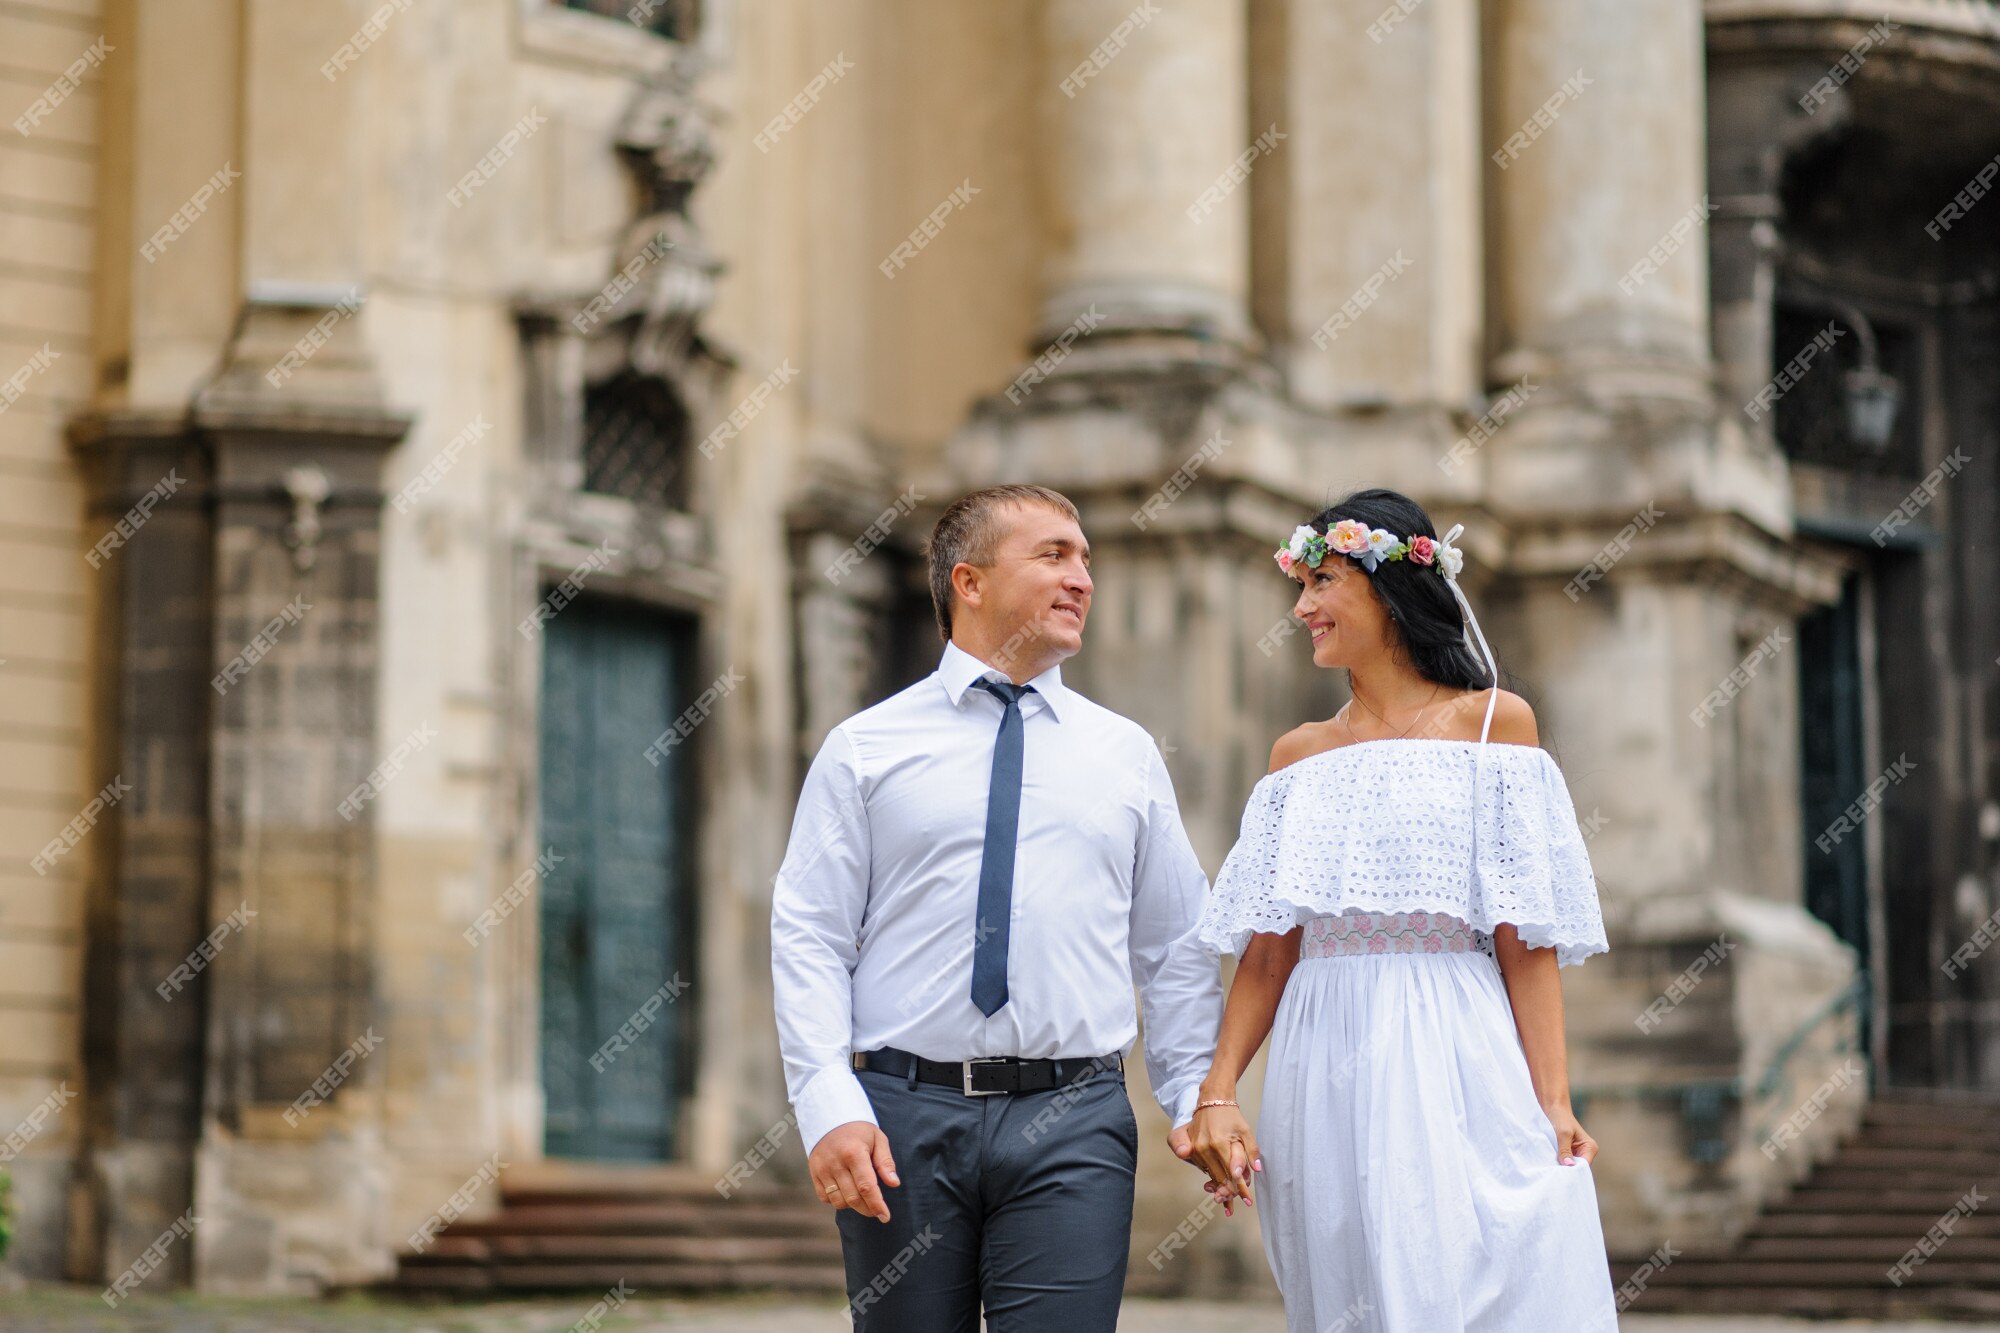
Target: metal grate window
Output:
[
  {"x": 671, "y": 19},
  {"x": 635, "y": 441}
]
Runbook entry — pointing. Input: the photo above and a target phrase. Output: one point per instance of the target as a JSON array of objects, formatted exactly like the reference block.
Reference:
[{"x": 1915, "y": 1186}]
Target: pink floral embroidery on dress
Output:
[{"x": 1389, "y": 932}]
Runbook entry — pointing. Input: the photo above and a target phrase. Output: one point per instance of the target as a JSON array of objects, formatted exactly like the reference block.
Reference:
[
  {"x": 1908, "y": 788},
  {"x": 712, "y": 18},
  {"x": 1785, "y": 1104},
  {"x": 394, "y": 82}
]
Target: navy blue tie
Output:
[{"x": 996, "y": 861}]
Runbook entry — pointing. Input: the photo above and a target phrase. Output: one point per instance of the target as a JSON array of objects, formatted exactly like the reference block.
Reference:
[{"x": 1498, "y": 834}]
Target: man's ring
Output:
[{"x": 832, "y": 1189}]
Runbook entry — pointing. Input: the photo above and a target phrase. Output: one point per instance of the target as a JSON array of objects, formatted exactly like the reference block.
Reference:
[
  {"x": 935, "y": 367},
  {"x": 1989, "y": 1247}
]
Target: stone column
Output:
[
  {"x": 143, "y": 1051},
  {"x": 1646, "y": 605},
  {"x": 231, "y": 944},
  {"x": 165, "y": 303},
  {"x": 1368, "y": 280},
  {"x": 1145, "y": 119},
  {"x": 1593, "y": 151},
  {"x": 297, "y": 425},
  {"x": 1756, "y": 125},
  {"x": 1162, "y": 427}
]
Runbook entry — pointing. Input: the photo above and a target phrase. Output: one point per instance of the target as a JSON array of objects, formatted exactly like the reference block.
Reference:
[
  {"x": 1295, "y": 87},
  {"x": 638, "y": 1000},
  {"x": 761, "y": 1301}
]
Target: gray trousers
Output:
[{"x": 1021, "y": 1204}]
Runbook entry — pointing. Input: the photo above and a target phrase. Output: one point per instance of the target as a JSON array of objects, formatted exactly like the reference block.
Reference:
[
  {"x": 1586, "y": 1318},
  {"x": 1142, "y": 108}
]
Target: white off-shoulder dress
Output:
[{"x": 1410, "y": 1180}]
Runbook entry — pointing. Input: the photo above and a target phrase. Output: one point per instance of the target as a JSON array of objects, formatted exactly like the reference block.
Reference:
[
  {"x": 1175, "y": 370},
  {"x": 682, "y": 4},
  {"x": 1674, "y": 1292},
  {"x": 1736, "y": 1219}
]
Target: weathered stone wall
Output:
[
  {"x": 1341, "y": 317},
  {"x": 49, "y": 162}
]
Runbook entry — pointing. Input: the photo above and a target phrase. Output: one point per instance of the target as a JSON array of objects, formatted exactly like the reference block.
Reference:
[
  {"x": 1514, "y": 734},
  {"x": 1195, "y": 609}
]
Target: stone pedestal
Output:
[
  {"x": 298, "y": 762},
  {"x": 232, "y": 930}
]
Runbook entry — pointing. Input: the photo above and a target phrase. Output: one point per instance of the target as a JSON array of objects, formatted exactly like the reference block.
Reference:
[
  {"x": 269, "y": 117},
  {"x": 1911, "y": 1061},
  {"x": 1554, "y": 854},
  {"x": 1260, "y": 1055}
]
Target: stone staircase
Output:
[
  {"x": 586, "y": 1227},
  {"x": 1826, "y": 1248}
]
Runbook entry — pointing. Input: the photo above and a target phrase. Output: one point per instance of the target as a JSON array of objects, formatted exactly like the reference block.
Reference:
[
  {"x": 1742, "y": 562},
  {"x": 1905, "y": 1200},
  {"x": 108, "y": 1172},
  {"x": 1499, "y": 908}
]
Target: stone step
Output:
[
  {"x": 1941, "y": 1270},
  {"x": 1884, "y": 1250},
  {"x": 1817, "y": 1302},
  {"x": 1893, "y": 1110},
  {"x": 1891, "y": 1226},
  {"x": 643, "y": 1278},
  {"x": 1950, "y": 1183},
  {"x": 583, "y": 1227},
  {"x": 543, "y": 1248},
  {"x": 1826, "y": 1248},
  {"x": 669, "y": 1219},
  {"x": 1975, "y": 1162},
  {"x": 1927, "y": 1134},
  {"x": 1925, "y": 1204},
  {"x": 657, "y": 1186}
]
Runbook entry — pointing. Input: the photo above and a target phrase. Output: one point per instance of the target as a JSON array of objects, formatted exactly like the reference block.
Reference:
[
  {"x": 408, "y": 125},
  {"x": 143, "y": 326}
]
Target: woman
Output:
[{"x": 1409, "y": 877}]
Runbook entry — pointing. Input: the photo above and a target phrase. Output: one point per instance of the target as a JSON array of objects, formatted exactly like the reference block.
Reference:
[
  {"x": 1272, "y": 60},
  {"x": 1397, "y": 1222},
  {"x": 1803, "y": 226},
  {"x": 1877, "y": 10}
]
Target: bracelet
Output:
[{"x": 1200, "y": 1105}]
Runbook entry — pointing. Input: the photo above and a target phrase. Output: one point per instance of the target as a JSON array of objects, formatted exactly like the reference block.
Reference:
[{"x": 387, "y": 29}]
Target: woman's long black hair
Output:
[{"x": 1422, "y": 608}]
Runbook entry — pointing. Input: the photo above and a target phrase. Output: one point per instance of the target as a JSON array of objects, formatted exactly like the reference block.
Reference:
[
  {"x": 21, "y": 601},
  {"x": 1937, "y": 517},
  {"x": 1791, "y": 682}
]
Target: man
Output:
[{"x": 980, "y": 868}]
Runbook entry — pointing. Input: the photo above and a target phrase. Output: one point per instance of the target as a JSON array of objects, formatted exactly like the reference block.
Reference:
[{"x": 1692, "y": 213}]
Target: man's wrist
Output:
[{"x": 833, "y": 1098}]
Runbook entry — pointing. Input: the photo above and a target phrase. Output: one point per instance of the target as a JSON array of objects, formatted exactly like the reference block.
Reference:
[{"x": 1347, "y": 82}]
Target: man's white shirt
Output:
[{"x": 872, "y": 917}]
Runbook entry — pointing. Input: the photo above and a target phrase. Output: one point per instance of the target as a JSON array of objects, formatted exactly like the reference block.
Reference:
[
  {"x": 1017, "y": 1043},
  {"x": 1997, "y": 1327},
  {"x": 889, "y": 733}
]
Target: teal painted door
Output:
[
  {"x": 1832, "y": 770},
  {"x": 615, "y": 908}
]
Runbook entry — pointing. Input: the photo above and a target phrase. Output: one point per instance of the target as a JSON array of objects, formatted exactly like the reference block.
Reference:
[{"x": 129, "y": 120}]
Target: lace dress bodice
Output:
[{"x": 1396, "y": 826}]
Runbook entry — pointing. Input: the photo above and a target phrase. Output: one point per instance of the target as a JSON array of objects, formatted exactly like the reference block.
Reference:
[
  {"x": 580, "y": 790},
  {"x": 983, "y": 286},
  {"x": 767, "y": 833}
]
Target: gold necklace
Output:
[{"x": 1355, "y": 696}]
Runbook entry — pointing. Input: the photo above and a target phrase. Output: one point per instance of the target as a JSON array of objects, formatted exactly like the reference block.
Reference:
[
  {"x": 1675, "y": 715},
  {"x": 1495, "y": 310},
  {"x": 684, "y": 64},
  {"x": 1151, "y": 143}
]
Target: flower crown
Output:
[{"x": 1371, "y": 546}]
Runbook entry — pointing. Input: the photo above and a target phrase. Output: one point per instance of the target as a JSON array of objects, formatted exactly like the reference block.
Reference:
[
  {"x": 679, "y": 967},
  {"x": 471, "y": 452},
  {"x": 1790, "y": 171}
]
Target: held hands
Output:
[
  {"x": 845, "y": 1164},
  {"x": 1571, "y": 1140},
  {"x": 1181, "y": 1139},
  {"x": 1224, "y": 1145}
]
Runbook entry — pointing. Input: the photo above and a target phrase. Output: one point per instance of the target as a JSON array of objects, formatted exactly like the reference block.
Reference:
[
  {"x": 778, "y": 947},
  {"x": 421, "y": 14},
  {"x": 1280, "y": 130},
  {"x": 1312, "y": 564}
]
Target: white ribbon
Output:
[{"x": 1492, "y": 697}]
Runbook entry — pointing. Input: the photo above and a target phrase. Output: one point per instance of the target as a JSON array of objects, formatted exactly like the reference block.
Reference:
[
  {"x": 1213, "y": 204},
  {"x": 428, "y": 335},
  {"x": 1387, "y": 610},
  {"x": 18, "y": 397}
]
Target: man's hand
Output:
[{"x": 844, "y": 1166}]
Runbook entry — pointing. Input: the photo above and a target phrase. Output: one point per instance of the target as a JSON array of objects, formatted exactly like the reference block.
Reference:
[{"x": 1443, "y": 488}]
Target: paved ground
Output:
[{"x": 59, "y": 1308}]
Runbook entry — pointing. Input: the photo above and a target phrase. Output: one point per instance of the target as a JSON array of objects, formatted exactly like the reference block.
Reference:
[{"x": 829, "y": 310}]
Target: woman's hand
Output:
[
  {"x": 1226, "y": 1147},
  {"x": 1223, "y": 1145},
  {"x": 1571, "y": 1140}
]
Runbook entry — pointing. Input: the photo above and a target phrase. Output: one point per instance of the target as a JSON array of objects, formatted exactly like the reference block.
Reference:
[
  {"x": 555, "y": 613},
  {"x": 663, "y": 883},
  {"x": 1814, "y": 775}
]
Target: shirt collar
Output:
[{"x": 959, "y": 669}]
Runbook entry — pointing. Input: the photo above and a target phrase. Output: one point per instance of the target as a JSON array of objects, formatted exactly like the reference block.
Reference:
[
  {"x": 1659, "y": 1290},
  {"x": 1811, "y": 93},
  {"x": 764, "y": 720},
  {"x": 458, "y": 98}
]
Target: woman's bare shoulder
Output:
[
  {"x": 1514, "y": 721},
  {"x": 1306, "y": 739},
  {"x": 1460, "y": 719},
  {"x": 1513, "y": 718}
]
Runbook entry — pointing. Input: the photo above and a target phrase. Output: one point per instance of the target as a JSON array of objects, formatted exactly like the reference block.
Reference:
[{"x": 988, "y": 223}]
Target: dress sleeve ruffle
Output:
[
  {"x": 1532, "y": 870},
  {"x": 1320, "y": 839},
  {"x": 1246, "y": 899}
]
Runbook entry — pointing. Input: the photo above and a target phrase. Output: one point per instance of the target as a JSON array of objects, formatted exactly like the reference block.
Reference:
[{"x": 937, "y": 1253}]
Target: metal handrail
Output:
[{"x": 1851, "y": 996}]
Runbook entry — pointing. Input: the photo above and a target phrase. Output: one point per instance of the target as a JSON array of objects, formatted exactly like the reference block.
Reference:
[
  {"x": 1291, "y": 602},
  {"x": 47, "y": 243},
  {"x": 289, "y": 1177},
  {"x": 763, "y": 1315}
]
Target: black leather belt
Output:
[{"x": 989, "y": 1077}]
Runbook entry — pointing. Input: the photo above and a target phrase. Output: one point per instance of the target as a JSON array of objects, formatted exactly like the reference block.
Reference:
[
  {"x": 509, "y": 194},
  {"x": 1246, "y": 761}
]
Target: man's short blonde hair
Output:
[{"x": 969, "y": 533}]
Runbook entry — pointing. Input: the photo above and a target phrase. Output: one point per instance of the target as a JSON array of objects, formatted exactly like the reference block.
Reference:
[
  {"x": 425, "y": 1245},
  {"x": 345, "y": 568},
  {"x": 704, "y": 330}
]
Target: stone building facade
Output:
[{"x": 466, "y": 456}]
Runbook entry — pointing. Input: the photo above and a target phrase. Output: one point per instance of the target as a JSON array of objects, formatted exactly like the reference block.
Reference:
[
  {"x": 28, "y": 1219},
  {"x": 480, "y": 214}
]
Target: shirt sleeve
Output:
[
  {"x": 1178, "y": 976},
  {"x": 816, "y": 911}
]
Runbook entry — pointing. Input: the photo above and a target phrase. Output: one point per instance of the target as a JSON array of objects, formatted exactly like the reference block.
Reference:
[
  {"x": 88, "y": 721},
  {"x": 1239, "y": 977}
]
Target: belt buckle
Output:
[{"x": 965, "y": 1066}]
